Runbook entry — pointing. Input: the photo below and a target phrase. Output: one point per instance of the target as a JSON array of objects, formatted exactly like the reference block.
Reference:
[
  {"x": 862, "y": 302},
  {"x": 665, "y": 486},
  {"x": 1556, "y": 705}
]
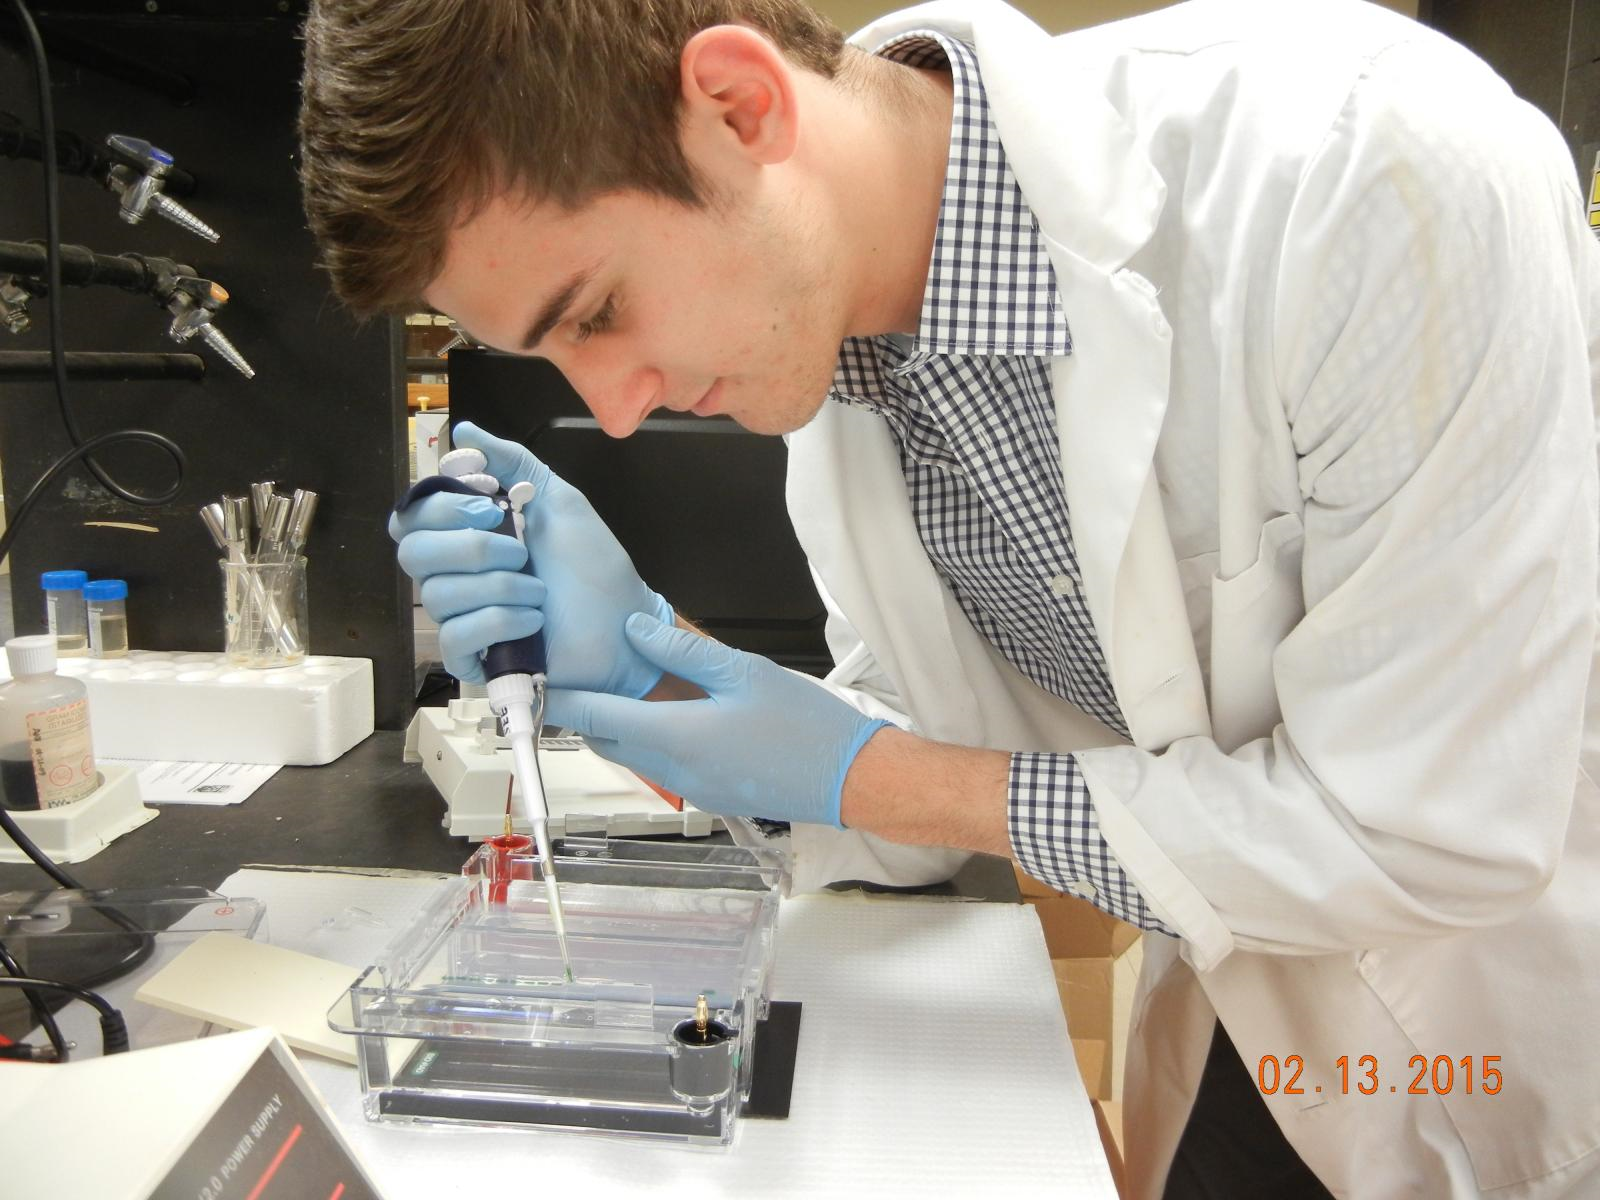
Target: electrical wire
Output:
[
  {"x": 144, "y": 945},
  {"x": 41, "y": 1011},
  {"x": 113, "y": 1028},
  {"x": 52, "y": 218},
  {"x": 37, "y": 491},
  {"x": 145, "y": 942},
  {"x": 39, "y": 857}
]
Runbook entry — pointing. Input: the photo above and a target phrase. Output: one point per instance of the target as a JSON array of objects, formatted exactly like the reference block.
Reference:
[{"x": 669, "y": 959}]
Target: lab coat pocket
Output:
[{"x": 1251, "y": 612}]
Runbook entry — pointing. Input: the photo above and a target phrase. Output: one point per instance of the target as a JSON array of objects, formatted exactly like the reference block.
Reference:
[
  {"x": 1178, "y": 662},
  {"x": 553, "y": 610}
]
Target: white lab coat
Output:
[{"x": 1328, "y": 441}]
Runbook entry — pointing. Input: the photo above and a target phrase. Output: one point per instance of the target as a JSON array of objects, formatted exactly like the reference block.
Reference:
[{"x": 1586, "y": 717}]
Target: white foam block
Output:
[
  {"x": 246, "y": 985},
  {"x": 156, "y": 704}
]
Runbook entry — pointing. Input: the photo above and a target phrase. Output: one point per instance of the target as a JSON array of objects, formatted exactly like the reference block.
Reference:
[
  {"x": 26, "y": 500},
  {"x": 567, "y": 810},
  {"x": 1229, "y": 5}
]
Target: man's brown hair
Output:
[{"x": 415, "y": 112}]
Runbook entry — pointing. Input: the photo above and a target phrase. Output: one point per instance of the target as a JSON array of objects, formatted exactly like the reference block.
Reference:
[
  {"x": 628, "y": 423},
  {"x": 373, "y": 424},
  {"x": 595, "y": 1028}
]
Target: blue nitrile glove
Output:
[
  {"x": 473, "y": 584},
  {"x": 765, "y": 742}
]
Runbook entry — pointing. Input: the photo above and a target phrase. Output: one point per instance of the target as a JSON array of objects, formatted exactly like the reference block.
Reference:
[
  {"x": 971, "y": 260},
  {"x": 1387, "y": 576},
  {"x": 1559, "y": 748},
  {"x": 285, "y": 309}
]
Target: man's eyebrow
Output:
[{"x": 555, "y": 309}]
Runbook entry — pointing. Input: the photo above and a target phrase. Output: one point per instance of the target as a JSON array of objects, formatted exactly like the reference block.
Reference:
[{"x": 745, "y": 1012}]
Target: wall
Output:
[
  {"x": 1547, "y": 50},
  {"x": 1057, "y": 16},
  {"x": 324, "y": 410}
]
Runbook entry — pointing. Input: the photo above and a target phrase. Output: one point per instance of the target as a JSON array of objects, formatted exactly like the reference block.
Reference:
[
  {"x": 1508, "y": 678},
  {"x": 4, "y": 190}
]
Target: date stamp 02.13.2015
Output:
[{"x": 1437, "y": 1076}]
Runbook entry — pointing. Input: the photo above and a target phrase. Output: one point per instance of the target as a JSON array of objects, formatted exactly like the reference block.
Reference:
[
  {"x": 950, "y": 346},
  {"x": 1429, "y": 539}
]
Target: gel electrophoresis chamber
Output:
[{"x": 467, "y": 1017}]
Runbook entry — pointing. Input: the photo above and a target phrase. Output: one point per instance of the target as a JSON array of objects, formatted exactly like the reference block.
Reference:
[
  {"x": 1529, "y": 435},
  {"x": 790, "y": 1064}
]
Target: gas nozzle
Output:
[
  {"x": 194, "y": 303},
  {"x": 138, "y": 178},
  {"x": 14, "y": 298}
]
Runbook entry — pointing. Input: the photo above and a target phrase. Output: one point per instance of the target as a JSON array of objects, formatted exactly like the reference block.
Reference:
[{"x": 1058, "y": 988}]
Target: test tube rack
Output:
[{"x": 197, "y": 707}]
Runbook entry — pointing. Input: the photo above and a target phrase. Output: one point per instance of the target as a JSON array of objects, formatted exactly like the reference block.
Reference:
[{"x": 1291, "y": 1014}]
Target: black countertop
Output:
[{"x": 367, "y": 809}]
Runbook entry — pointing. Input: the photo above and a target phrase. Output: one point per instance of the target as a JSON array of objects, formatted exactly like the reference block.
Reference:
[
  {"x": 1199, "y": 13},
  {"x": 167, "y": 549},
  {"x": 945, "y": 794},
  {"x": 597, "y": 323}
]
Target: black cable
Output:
[
  {"x": 37, "y": 491},
  {"x": 39, "y": 857},
  {"x": 41, "y": 1011},
  {"x": 145, "y": 944},
  {"x": 52, "y": 217},
  {"x": 113, "y": 1028}
]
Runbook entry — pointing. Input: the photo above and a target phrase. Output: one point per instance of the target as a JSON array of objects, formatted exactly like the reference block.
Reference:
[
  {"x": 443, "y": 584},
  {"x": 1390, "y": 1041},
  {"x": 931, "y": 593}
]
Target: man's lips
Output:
[{"x": 707, "y": 404}]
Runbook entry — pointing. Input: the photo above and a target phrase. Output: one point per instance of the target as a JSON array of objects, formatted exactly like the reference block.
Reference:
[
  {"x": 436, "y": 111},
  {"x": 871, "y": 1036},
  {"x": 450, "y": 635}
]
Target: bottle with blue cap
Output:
[
  {"x": 107, "y": 604},
  {"x": 64, "y": 611}
]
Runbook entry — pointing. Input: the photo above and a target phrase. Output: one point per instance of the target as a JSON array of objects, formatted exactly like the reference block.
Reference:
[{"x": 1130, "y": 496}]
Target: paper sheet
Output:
[
  {"x": 242, "y": 984},
  {"x": 196, "y": 782},
  {"x": 933, "y": 1061}
]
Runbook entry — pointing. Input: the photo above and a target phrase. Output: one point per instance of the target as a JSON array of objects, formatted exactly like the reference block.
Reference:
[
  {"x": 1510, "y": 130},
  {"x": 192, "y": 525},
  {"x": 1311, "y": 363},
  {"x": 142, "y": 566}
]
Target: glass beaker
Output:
[{"x": 265, "y": 623}]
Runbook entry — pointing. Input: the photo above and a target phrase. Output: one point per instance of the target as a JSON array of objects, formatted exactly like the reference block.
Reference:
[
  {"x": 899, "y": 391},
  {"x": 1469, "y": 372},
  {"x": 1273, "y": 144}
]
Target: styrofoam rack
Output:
[
  {"x": 196, "y": 707},
  {"x": 470, "y": 764}
]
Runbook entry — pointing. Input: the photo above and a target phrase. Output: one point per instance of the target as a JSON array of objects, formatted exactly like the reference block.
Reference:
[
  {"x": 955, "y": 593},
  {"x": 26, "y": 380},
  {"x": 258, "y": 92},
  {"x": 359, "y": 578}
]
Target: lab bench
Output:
[
  {"x": 366, "y": 809},
  {"x": 872, "y": 1092}
]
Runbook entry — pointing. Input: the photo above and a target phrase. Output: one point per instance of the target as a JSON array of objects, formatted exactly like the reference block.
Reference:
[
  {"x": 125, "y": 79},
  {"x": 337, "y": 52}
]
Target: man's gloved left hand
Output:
[{"x": 763, "y": 743}]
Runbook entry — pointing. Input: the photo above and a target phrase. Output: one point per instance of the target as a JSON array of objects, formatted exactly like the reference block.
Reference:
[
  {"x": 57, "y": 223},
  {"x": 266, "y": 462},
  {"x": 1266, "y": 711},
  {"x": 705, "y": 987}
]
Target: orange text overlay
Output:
[{"x": 1440, "y": 1075}]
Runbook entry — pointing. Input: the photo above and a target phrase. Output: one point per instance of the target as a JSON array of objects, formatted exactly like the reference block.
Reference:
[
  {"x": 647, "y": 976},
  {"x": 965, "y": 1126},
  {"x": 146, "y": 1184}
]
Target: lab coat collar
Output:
[
  {"x": 976, "y": 233},
  {"x": 1097, "y": 198},
  {"x": 1096, "y": 189}
]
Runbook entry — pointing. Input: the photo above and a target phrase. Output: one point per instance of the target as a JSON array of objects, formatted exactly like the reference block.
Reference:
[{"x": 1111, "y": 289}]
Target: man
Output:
[{"x": 1191, "y": 429}]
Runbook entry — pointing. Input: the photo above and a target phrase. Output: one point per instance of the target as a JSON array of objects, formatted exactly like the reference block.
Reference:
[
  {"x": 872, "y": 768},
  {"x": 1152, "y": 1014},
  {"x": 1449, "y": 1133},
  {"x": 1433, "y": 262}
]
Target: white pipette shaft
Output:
[{"x": 520, "y": 698}]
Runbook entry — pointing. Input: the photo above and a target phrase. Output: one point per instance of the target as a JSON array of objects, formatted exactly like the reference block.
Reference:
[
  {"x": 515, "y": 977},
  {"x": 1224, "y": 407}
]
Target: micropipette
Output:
[{"x": 515, "y": 670}]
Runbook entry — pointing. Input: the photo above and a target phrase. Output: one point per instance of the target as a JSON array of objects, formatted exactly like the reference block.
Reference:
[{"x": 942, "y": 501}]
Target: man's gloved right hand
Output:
[{"x": 474, "y": 586}]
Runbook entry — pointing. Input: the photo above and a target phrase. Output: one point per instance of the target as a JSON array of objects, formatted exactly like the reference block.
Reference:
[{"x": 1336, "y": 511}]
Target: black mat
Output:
[{"x": 777, "y": 1039}]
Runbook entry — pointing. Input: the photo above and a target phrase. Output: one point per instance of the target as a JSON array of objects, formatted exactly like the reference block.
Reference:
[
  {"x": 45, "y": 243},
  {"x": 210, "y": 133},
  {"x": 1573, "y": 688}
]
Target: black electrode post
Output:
[{"x": 701, "y": 1063}]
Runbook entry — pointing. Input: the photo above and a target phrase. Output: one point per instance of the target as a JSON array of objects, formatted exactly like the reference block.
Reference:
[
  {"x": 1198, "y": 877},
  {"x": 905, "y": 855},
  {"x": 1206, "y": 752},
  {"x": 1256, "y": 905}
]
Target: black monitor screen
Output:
[{"x": 697, "y": 502}]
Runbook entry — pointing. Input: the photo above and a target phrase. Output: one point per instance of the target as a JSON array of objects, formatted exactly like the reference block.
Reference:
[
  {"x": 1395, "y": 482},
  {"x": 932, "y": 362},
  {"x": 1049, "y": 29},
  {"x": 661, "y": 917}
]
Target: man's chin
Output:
[{"x": 778, "y": 419}]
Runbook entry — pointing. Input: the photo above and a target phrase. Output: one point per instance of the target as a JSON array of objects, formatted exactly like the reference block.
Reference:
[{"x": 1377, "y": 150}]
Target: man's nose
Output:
[{"x": 620, "y": 396}]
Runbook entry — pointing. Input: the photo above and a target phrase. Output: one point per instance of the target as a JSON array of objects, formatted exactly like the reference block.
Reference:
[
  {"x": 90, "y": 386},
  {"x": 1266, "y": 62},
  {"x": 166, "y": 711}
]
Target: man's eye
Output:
[{"x": 599, "y": 323}]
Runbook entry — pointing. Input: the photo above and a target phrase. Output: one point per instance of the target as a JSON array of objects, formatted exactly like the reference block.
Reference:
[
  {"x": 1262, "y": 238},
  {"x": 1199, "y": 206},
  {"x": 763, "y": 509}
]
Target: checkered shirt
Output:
[{"x": 970, "y": 405}]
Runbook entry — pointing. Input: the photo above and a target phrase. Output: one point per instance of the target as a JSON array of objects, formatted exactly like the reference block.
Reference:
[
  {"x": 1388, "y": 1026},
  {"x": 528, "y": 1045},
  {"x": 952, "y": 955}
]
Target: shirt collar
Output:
[{"x": 991, "y": 289}]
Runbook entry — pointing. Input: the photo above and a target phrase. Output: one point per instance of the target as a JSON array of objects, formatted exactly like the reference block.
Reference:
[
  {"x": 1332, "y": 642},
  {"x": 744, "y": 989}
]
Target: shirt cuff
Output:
[{"x": 1055, "y": 837}]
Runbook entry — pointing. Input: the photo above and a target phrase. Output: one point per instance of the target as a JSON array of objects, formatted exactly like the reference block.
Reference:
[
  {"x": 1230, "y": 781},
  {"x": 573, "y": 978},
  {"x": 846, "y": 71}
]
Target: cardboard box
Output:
[
  {"x": 1096, "y": 963},
  {"x": 1124, "y": 986},
  {"x": 1097, "y": 996},
  {"x": 1086, "y": 986},
  {"x": 1074, "y": 928},
  {"x": 1094, "y": 1064},
  {"x": 1108, "y": 1119},
  {"x": 1032, "y": 888}
]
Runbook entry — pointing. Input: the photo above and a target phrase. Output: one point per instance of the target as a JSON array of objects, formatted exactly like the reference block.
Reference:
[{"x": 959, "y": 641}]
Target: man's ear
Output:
[{"x": 738, "y": 93}]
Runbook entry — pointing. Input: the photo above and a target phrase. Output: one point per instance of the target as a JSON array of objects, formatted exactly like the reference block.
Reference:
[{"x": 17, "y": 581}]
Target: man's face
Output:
[{"x": 643, "y": 303}]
